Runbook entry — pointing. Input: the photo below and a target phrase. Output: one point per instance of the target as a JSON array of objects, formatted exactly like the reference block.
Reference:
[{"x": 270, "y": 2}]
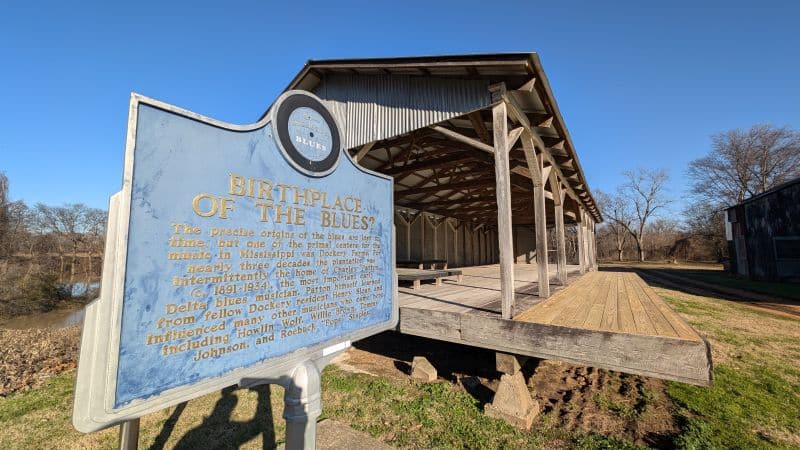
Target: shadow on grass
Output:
[
  {"x": 784, "y": 297},
  {"x": 218, "y": 430}
]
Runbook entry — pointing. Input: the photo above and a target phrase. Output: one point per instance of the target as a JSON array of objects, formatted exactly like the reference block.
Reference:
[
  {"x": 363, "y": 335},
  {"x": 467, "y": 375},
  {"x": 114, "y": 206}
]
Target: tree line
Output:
[
  {"x": 45, "y": 250},
  {"x": 741, "y": 163}
]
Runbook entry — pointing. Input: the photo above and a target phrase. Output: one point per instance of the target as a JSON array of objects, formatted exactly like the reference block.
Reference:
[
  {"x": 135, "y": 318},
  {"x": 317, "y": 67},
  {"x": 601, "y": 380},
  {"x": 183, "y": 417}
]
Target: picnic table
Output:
[
  {"x": 422, "y": 263},
  {"x": 416, "y": 276}
]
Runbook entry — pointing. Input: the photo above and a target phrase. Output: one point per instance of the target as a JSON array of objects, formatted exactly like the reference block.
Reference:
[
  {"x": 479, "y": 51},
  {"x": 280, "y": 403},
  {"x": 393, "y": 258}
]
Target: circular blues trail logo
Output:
[
  {"x": 312, "y": 136},
  {"x": 307, "y": 133}
]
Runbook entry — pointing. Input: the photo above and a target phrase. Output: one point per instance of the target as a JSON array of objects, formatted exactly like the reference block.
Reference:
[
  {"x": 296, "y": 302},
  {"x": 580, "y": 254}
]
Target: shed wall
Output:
[
  {"x": 459, "y": 243},
  {"x": 773, "y": 235}
]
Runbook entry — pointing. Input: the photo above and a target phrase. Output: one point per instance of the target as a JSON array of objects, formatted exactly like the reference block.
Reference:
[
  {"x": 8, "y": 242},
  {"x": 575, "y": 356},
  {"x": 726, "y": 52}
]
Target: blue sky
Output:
[{"x": 638, "y": 85}]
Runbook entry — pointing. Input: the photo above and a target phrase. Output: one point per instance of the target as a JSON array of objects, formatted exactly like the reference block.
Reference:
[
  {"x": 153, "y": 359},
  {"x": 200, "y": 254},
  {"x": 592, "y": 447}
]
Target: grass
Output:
[
  {"x": 754, "y": 402},
  {"x": 755, "y": 399},
  {"x": 784, "y": 290},
  {"x": 403, "y": 414}
]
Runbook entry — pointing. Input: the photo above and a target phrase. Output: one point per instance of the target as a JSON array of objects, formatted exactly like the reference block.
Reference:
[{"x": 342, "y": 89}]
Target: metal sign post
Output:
[
  {"x": 302, "y": 406},
  {"x": 234, "y": 255},
  {"x": 129, "y": 435}
]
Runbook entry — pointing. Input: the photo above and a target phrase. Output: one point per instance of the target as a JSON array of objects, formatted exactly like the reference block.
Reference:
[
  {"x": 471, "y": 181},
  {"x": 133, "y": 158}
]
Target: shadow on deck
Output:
[{"x": 608, "y": 319}]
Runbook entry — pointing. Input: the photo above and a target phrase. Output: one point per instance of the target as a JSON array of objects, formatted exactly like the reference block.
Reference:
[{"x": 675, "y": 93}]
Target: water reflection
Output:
[{"x": 59, "y": 318}]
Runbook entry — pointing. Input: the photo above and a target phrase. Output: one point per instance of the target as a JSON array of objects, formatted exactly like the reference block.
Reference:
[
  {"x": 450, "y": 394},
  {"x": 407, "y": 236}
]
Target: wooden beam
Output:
[
  {"x": 470, "y": 184},
  {"x": 463, "y": 139},
  {"x": 452, "y": 201},
  {"x": 513, "y": 136},
  {"x": 479, "y": 126},
  {"x": 504, "y": 225},
  {"x": 553, "y": 142},
  {"x": 528, "y": 86},
  {"x": 364, "y": 150},
  {"x": 673, "y": 359},
  {"x": 546, "y": 172},
  {"x": 545, "y": 123},
  {"x": 443, "y": 161},
  {"x": 519, "y": 115}
]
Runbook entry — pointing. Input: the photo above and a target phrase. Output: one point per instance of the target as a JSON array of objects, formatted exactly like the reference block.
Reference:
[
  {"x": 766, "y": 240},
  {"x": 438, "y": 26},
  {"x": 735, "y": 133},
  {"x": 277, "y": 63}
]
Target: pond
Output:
[{"x": 59, "y": 318}]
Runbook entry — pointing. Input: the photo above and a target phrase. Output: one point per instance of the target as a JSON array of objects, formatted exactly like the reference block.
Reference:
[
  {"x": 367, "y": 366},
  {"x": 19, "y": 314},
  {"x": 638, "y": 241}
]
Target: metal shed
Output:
[{"x": 763, "y": 234}]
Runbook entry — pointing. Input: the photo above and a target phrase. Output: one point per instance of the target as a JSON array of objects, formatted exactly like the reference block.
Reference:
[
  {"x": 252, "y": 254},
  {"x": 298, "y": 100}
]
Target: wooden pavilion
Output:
[{"x": 487, "y": 179}]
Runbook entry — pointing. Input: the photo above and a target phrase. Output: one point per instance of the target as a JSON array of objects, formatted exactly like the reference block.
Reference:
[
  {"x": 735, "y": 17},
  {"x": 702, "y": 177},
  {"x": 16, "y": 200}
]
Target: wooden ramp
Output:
[{"x": 611, "y": 320}]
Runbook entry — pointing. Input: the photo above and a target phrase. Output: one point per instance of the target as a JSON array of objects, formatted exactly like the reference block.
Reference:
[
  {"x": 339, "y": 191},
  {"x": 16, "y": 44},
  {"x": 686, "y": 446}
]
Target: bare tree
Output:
[
  {"x": 95, "y": 227},
  {"x": 4, "y": 217},
  {"x": 743, "y": 163},
  {"x": 68, "y": 223},
  {"x": 644, "y": 190},
  {"x": 740, "y": 164},
  {"x": 663, "y": 234},
  {"x": 617, "y": 212}
]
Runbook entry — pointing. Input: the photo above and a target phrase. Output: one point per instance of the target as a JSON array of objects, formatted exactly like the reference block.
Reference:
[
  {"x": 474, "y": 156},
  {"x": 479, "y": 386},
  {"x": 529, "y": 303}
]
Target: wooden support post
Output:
[
  {"x": 589, "y": 248},
  {"x": 502, "y": 170},
  {"x": 535, "y": 167},
  {"x": 540, "y": 217},
  {"x": 424, "y": 223},
  {"x": 561, "y": 246},
  {"x": 408, "y": 241},
  {"x": 581, "y": 244},
  {"x": 587, "y": 262},
  {"x": 435, "y": 239},
  {"x": 558, "y": 214},
  {"x": 590, "y": 242},
  {"x": 593, "y": 242}
]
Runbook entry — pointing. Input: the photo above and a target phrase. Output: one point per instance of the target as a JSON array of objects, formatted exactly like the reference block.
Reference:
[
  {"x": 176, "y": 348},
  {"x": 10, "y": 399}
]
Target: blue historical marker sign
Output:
[{"x": 232, "y": 253}]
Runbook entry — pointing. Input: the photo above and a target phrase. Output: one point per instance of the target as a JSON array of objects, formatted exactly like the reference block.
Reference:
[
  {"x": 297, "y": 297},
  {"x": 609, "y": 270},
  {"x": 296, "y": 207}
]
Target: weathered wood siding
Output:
[
  {"x": 768, "y": 230},
  {"x": 436, "y": 237},
  {"x": 524, "y": 244}
]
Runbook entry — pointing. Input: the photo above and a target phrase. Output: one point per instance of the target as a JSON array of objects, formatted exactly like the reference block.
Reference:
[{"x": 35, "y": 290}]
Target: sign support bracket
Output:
[{"x": 302, "y": 406}]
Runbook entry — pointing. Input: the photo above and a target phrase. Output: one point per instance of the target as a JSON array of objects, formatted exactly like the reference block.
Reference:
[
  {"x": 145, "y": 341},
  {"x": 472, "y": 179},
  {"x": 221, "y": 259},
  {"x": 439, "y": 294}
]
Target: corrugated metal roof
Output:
[
  {"x": 379, "y": 98},
  {"x": 378, "y": 107}
]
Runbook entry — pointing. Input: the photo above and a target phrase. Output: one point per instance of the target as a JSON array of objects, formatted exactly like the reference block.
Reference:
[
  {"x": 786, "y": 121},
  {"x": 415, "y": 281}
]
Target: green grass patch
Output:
[
  {"x": 400, "y": 412},
  {"x": 594, "y": 441},
  {"x": 57, "y": 392},
  {"x": 416, "y": 415},
  {"x": 754, "y": 401},
  {"x": 438, "y": 415},
  {"x": 735, "y": 411}
]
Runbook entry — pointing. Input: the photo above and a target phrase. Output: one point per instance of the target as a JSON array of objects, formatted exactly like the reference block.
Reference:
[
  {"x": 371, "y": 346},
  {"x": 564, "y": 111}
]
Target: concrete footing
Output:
[
  {"x": 423, "y": 370},
  {"x": 512, "y": 402}
]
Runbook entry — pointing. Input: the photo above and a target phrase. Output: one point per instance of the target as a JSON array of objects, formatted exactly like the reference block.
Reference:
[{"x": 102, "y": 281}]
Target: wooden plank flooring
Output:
[
  {"x": 618, "y": 302},
  {"x": 610, "y": 320},
  {"x": 479, "y": 291}
]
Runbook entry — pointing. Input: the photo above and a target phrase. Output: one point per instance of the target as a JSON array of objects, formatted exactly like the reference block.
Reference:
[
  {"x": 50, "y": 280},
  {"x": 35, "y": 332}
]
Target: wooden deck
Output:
[
  {"x": 611, "y": 320},
  {"x": 619, "y": 302},
  {"x": 479, "y": 290}
]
